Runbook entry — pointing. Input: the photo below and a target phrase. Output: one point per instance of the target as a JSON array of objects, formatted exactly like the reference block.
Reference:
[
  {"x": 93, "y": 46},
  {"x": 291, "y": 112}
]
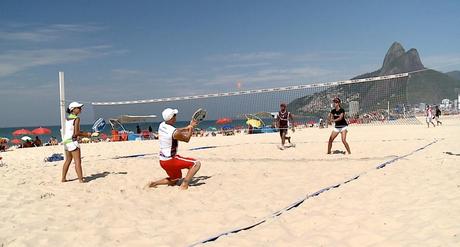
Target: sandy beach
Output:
[{"x": 414, "y": 201}]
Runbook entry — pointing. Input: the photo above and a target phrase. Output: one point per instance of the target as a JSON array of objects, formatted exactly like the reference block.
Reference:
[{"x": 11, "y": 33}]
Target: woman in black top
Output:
[{"x": 337, "y": 115}]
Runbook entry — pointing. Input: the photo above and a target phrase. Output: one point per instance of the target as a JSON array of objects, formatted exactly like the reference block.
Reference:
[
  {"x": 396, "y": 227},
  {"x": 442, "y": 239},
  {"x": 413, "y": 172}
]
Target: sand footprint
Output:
[{"x": 47, "y": 195}]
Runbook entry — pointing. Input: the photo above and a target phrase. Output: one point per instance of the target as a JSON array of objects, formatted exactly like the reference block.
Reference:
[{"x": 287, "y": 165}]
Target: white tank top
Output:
[
  {"x": 168, "y": 145},
  {"x": 69, "y": 128}
]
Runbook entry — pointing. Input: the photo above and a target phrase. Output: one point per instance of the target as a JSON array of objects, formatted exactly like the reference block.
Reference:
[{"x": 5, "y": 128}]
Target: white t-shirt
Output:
[
  {"x": 168, "y": 145},
  {"x": 429, "y": 113}
]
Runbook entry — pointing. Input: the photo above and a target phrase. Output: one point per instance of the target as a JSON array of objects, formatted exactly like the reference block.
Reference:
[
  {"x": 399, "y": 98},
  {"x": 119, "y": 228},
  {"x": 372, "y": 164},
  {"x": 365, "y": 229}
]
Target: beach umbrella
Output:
[
  {"x": 4, "y": 140},
  {"x": 211, "y": 129},
  {"x": 16, "y": 141},
  {"x": 224, "y": 120},
  {"x": 26, "y": 138},
  {"x": 22, "y": 132},
  {"x": 254, "y": 123},
  {"x": 41, "y": 131}
]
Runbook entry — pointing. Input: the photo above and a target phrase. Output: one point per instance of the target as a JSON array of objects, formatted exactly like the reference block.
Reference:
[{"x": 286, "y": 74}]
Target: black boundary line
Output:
[{"x": 299, "y": 202}]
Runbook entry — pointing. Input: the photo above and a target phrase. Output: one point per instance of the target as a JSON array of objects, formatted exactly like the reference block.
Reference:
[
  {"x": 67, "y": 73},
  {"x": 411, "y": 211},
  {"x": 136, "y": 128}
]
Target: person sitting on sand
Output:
[
  {"x": 71, "y": 146},
  {"x": 37, "y": 142},
  {"x": 337, "y": 115},
  {"x": 28, "y": 144},
  {"x": 170, "y": 161},
  {"x": 53, "y": 141},
  {"x": 3, "y": 147}
]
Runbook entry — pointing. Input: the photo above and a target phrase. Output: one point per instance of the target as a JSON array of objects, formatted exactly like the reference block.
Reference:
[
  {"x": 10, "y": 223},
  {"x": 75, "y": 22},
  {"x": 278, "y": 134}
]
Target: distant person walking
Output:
[
  {"x": 282, "y": 123},
  {"x": 437, "y": 114},
  {"x": 71, "y": 146},
  {"x": 429, "y": 116},
  {"x": 337, "y": 115}
]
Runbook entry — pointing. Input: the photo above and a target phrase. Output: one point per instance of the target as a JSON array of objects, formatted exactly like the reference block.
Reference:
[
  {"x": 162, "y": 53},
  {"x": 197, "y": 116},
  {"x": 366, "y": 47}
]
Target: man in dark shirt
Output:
[
  {"x": 337, "y": 115},
  {"x": 282, "y": 123},
  {"x": 437, "y": 115}
]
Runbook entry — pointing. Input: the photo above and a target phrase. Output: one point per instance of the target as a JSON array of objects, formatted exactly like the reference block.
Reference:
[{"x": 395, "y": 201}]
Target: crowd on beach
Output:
[
  {"x": 29, "y": 143},
  {"x": 283, "y": 121},
  {"x": 432, "y": 115}
]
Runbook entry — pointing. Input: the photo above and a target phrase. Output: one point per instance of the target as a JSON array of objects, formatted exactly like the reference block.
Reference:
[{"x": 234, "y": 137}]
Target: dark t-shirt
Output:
[
  {"x": 336, "y": 114},
  {"x": 283, "y": 118},
  {"x": 438, "y": 113}
]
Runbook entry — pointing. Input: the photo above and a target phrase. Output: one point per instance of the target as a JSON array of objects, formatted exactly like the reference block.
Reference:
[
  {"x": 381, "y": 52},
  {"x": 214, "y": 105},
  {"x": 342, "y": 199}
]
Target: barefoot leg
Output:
[
  {"x": 77, "y": 158},
  {"x": 331, "y": 139},
  {"x": 191, "y": 172},
  {"x": 164, "y": 181},
  {"x": 65, "y": 167}
]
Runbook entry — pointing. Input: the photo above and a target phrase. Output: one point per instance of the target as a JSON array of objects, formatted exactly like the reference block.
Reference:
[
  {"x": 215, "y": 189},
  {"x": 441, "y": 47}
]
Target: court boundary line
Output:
[{"x": 308, "y": 196}]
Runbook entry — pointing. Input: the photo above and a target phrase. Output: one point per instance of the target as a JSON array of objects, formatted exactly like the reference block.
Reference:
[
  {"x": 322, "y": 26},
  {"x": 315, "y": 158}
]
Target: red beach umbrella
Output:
[
  {"x": 41, "y": 131},
  {"x": 22, "y": 132},
  {"x": 224, "y": 120},
  {"x": 16, "y": 141}
]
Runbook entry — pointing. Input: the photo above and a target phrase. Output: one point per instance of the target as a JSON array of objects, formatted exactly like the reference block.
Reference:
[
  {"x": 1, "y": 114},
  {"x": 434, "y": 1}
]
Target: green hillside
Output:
[
  {"x": 454, "y": 74},
  {"x": 422, "y": 86},
  {"x": 431, "y": 87}
]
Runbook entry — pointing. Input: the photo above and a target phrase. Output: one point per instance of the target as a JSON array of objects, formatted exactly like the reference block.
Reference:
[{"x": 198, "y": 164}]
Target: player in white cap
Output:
[{"x": 169, "y": 137}]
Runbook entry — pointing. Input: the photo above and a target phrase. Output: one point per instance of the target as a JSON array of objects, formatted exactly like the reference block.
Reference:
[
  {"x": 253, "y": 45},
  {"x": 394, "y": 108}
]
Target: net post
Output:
[
  {"x": 62, "y": 102},
  {"x": 388, "y": 111},
  {"x": 457, "y": 106}
]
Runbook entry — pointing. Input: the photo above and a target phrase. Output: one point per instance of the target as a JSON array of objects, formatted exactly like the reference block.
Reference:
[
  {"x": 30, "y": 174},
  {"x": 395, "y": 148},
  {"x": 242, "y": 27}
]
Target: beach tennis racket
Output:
[
  {"x": 199, "y": 115},
  {"x": 98, "y": 125}
]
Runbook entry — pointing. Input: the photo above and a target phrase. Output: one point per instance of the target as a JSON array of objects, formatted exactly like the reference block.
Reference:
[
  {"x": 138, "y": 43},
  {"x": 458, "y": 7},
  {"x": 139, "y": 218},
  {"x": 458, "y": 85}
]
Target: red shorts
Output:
[{"x": 174, "y": 166}]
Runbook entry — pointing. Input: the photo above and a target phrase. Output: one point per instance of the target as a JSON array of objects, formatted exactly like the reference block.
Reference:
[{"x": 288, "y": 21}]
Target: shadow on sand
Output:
[
  {"x": 198, "y": 181},
  {"x": 102, "y": 175}
]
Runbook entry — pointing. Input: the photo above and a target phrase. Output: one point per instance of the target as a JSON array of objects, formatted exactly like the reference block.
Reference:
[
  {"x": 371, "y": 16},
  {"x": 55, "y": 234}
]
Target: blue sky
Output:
[{"x": 121, "y": 50}]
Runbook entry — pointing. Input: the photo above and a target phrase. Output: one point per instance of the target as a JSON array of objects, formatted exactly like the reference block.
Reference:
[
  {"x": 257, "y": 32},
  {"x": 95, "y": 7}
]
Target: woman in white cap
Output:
[{"x": 71, "y": 146}]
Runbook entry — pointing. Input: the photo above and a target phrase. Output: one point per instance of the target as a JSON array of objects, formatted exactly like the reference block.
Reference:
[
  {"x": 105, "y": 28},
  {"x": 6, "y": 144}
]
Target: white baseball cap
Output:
[
  {"x": 169, "y": 113},
  {"x": 74, "y": 105}
]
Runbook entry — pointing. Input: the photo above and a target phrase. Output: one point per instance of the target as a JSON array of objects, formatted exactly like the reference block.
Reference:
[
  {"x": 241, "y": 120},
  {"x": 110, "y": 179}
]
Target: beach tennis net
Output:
[{"x": 373, "y": 100}]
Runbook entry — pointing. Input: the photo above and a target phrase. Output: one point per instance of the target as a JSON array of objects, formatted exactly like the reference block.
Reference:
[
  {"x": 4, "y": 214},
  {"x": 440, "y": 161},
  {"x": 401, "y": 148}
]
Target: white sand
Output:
[{"x": 412, "y": 202}]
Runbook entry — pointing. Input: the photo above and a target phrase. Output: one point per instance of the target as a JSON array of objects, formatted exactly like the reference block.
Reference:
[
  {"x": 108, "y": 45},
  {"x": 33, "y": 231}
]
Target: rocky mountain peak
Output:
[{"x": 397, "y": 60}]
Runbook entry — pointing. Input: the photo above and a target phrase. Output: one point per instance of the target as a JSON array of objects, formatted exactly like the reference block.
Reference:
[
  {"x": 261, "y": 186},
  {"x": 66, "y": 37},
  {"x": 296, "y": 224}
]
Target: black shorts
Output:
[{"x": 283, "y": 130}]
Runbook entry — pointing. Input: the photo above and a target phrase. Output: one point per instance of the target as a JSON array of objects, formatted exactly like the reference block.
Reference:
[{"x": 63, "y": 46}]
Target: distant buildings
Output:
[{"x": 446, "y": 104}]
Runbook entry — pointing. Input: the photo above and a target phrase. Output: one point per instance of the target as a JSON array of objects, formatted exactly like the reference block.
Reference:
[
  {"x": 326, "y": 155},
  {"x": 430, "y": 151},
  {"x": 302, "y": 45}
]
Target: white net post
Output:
[
  {"x": 457, "y": 106},
  {"x": 62, "y": 102},
  {"x": 388, "y": 111}
]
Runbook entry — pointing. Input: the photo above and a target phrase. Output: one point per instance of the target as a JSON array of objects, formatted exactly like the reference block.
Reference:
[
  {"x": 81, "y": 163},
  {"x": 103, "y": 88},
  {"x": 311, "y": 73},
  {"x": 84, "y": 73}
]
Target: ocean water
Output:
[{"x": 7, "y": 132}]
